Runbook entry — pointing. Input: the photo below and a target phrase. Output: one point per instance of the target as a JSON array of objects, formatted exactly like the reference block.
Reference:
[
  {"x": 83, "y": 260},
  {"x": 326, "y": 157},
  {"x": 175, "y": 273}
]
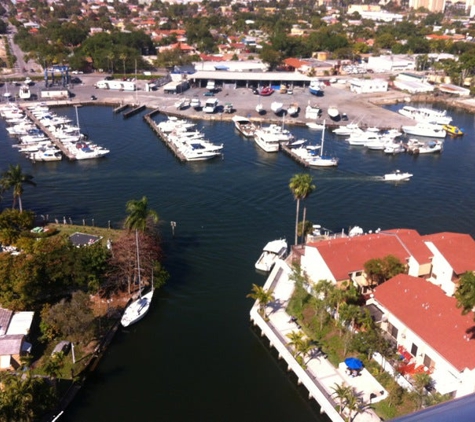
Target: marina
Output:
[{"x": 208, "y": 289}]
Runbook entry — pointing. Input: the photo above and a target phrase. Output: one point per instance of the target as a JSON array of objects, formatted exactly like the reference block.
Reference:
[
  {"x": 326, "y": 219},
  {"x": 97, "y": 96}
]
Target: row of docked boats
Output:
[
  {"x": 270, "y": 138},
  {"x": 39, "y": 138},
  {"x": 390, "y": 141},
  {"x": 186, "y": 141}
]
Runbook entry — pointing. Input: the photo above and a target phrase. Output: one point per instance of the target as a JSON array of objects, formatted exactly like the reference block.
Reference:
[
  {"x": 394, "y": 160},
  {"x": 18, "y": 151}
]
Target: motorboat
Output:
[
  {"x": 48, "y": 154},
  {"x": 244, "y": 126},
  {"x": 316, "y": 87},
  {"x": 397, "y": 176},
  {"x": 333, "y": 113},
  {"x": 24, "y": 93},
  {"x": 274, "y": 250},
  {"x": 453, "y": 130},
  {"x": 276, "y": 106},
  {"x": 362, "y": 138},
  {"x": 348, "y": 130},
  {"x": 312, "y": 112},
  {"x": 426, "y": 115},
  {"x": 200, "y": 150},
  {"x": 228, "y": 108},
  {"x": 298, "y": 143},
  {"x": 293, "y": 109},
  {"x": 267, "y": 140},
  {"x": 315, "y": 126},
  {"x": 139, "y": 307},
  {"x": 87, "y": 151},
  {"x": 210, "y": 105},
  {"x": 394, "y": 148},
  {"x": 260, "y": 108},
  {"x": 430, "y": 130},
  {"x": 415, "y": 146}
]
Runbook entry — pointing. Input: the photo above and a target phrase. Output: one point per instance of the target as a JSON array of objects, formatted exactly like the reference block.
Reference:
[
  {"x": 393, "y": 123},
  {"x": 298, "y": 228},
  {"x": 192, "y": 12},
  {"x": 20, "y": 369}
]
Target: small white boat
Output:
[
  {"x": 334, "y": 113},
  {"x": 49, "y": 154},
  {"x": 315, "y": 126},
  {"x": 397, "y": 176},
  {"x": 274, "y": 250},
  {"x": 348, "y": 130},
  {"x": 394, "y": 148},
  {"x": 316, "y": 87},
  {"x": 414, "y": 146},
  {"x": 293, "y": 109},
  {"x": 276, "y": 107}
]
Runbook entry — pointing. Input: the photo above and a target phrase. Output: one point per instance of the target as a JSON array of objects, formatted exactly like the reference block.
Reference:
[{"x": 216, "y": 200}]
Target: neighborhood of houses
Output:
[{"x": 416, "y": 310}]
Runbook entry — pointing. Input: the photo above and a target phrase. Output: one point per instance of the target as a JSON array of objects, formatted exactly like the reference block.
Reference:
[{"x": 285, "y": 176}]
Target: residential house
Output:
[
  {"x": 342, "y": 259},
  {"x": 453, "y": 255},
  {"x": 13, "y": 330},
  {"x": 431, "y": 333}
]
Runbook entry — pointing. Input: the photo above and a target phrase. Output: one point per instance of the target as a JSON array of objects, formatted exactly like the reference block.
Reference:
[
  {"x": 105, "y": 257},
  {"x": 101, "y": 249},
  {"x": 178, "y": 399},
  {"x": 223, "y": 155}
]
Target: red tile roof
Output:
[
  {"x": 431, "y": 315},
  {"x": 295, "y": 63},
  {"x": 414, "y": 242},
  {"x": 457, "y": 248},
  {"x": 346, "y": 255}
]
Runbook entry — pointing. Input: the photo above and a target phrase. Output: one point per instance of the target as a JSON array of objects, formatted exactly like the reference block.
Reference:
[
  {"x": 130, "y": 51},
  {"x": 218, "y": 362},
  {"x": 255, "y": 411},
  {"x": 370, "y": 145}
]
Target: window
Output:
[
  {"x": 428, "y": 362},
  {"x": 392, "y": 330},
  {"x": 414, "y": 350}
]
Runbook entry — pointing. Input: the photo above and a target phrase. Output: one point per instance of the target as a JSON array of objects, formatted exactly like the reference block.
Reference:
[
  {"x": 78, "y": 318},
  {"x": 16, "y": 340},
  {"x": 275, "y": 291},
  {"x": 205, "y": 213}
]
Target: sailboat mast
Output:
[
  {"x": 138, "y": 261},
  {"x": 323, "y": 139}
]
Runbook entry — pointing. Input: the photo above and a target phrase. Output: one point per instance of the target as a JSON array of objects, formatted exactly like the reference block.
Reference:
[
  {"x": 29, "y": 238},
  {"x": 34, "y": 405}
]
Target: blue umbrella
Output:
[{"x": 354, "y": 363}]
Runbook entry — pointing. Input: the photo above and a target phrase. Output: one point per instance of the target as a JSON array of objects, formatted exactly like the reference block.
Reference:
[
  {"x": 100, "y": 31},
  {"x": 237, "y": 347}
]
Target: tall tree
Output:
[
  {"x": 301, "y": 186},
  {"x": 139, "y": 215},
  {"x": 15, "y": 179}
]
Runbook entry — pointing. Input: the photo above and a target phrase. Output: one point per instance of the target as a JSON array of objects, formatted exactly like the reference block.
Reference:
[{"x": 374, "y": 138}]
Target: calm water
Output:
[{"x": 195, "y": 357}]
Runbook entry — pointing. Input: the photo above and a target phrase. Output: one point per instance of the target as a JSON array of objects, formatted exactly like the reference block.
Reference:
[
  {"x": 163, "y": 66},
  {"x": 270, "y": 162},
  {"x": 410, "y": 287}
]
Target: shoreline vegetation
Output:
[{"x": 77, "y": 305}]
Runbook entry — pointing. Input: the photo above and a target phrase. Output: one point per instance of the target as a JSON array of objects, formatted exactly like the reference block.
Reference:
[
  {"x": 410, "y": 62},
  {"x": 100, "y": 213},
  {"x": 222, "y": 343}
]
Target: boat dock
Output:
[
  {"x": 134, "y": 111},
  {"x": 148, "y": 118},
  {"x": 120, "y": 108},
  {"x": 50, "y": 135},
  {"x": 294, "y": 156},
  {"x": 318, "y": 375}
]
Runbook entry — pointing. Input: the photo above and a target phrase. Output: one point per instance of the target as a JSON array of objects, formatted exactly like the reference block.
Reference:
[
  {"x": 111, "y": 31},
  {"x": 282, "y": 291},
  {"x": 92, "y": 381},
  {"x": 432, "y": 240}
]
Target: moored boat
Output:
[
  {"x": 274, "y": 250},
  {"x": 453, "y": 130},
  {"x": 244, "y": 126},
  {"x": 426, "y": 115},
  {"x": 429, "y": 130}
]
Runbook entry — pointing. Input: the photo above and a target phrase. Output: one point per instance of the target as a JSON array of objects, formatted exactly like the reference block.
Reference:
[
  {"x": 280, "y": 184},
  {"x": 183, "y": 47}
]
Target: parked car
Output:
[
  {"x": 209, "y": 94},
  {"x": 93, "y": 98}
]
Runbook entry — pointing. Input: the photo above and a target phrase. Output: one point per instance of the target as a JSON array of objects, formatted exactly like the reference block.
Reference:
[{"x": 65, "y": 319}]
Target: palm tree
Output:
[
  {"x": 262, "y": 296},
  {"x": 123, "y": 57},
  {"x": 14, "y": 179},
  {"x": 301, "y": 186},
  {"x": 342, "y": 393},
  {"x": 111, "y": 58},
  {"x": 139, "y": 215},
  {"x": 296, "y": 340}
]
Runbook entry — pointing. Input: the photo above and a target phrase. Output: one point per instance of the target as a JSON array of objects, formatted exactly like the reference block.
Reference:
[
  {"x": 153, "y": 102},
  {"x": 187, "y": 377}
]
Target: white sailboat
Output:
[
  {"x": 321, "y": 160},
  {"x": 139, "y": 307}
]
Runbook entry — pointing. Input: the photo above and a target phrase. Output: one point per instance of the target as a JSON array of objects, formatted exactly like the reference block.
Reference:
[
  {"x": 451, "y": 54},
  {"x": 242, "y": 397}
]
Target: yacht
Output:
[
  {"x": 426, "y": 115},
  {"x": 430, "y": 130},
  {"x": 87, "y": 151},
  {"x": 267, "y": 140},
  {"x": 244, "y": 126},
  {"x": 348, "y": 130}
]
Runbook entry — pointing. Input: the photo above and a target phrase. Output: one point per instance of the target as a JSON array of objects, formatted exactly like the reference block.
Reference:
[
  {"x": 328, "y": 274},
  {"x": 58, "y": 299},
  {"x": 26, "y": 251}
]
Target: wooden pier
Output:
[
  {"x": 50, "y": 135},
  {"x": 120, "y": 108},
  {"x": 161, "y": 135},
  {"x": 134, "y": 111},
  {"x": 294, "y": 156}
]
